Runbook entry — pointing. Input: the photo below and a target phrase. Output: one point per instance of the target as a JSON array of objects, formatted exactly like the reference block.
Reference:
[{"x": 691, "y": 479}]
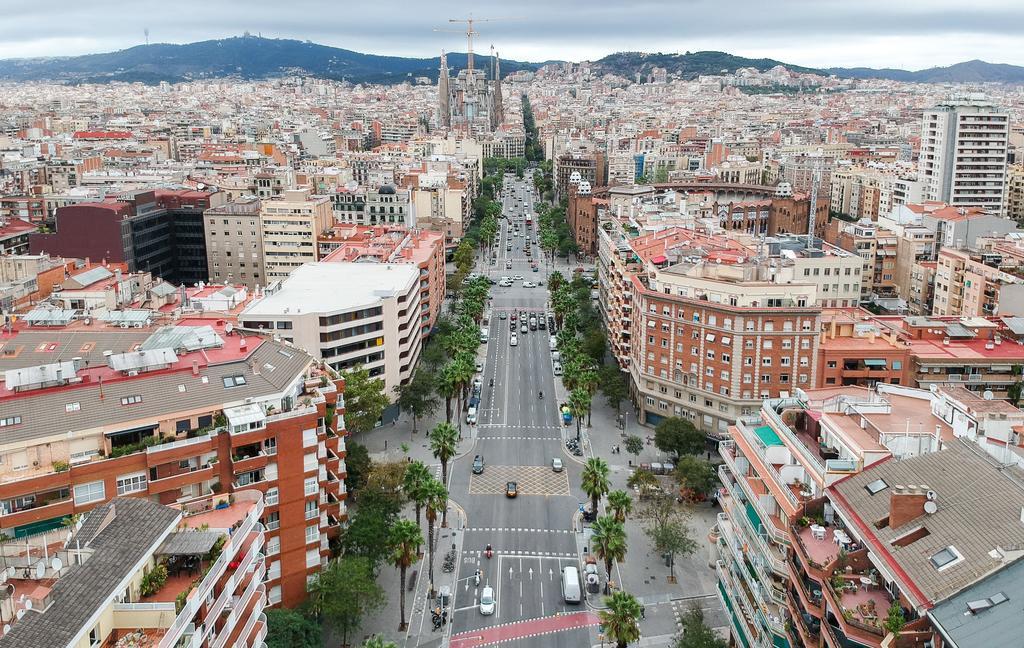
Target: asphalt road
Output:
[{"x": 518, "y": 434}]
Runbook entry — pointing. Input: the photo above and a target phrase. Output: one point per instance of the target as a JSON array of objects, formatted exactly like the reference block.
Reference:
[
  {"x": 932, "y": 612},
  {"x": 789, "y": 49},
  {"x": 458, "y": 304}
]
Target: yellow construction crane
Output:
[{"x": 470, "y": 33}]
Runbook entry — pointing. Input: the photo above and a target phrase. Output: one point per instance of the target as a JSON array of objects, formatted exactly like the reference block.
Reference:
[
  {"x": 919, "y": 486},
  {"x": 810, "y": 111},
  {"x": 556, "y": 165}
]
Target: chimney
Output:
[
  {"x": 906, "y": 504},
  {"x": 195, "y": 367}
]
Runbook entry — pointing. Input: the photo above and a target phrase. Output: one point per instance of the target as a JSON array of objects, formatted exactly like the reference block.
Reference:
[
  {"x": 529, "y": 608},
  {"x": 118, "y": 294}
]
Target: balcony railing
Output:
[
  {"x": 757, "y": 639},
  {"x": 776, "y": 534},
  {"x": 764, "y": 579},
  {"x": 752, "y": 441},
  {"x": 795, "y": 441},
  {"x": 184, "y": 443}
]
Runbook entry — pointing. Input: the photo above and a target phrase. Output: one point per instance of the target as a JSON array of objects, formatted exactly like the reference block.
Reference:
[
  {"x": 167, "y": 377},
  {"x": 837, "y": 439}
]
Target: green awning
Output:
[
  {"x": 780, "y": 642},
  {"x": 754, "y": 518},
  {"x": 875, "y": 362},
  {"x": 768, "y": 436},
  {"x": 732, "y": 613},
  {"x": 40, "y": 526}
]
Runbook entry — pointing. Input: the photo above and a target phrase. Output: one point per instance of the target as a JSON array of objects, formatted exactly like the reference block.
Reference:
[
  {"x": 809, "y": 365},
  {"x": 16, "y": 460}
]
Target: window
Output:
[
  {"x": 312, "y": 533},
  {"x": 91, "y": 492},
  {"x": 876, "y": 486},
  {"x": 310, "y": 486},
  {"x": 767, "y": 344},
  {"x": 233, "y": 381},
  {"x": 11, "y": 420},
  {"x": 94, "y": 637},
  {"x": 312, "y": 557},
  {"x": 131, "y": 483},
  {"x": 272, "y": 496},
  {"x": 946, "y": 558},
  {"x": 273, "y": 545},
  {"x": 784, "y": 361},
  {"x": 766, "y": 362},
  {"x": 131, "y": 400},
  {"x": 312, "y": 509},
  {"x": 73, "y": 407}
]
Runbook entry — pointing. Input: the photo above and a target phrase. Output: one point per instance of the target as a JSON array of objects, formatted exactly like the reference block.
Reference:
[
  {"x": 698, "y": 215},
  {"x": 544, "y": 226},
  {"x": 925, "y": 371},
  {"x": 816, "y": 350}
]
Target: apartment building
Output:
[
  {"x": 877, "y": 247},
  {"x": 589, "y": 167},
  {"x": 858, "y": 351},
  {"x": 172, "y": 414},
  {"x": 14, "y": 236},
  {"x": 1014, "y": 199},
  {"x": 962, "y": 160},
  {"x": 972, "y": 284},
  {"x": 861, "y": 192},
  {"x": 101, "y": 597},
  {"x": 376, "y": 315},
  {"x": 290, "y": 226},
  {"x": 774, "y": 568},
  {"x": 834, "y": 271},
  {"x": 712, "y": 335},
  {"x": 582, "y": 215},
  {"x": 234, "y": 243}
]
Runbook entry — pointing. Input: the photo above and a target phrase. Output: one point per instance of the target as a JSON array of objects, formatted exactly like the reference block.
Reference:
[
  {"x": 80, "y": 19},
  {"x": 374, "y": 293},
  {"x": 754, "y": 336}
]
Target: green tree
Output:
[
  {"x": 679, "y": 437},
  {"x": 661, "y": 175},
  {"x": 579, "y": 405},
  {"x": 405, "y": 541},
  {"x": 608, "y": 542},
  {"x": 437, "y": 502},
  {"x": 343, "y": 593},
  {"x": 377, "y": 641},
  {"x": 368, "y": 528},
  {"x": 696, "y": 633},
  {"x": 444, "y": 442},
  {"x": 634, "y": 445},
  {"x": 613, "y": 386},
  {"x": 696, "y": 475},
  {"x": 289, "y": 629},
  {"x": 667, "y": 526},
  {"x": 415, "y": 482},
  {"x": 365, "y": 400},
  {"x": 620, "y": 504},
  {"x": 594, "y": 480},
  {"x": 644, "y": 481},
  {"x": 448, "y": 388},
  {"x": 595, "y": 343},
  {"x": 357, "y": 462},
  {"x": 620, "y": 619},
  {"x": 894, "y": 620},
  {"x": 417, "y": 396}
]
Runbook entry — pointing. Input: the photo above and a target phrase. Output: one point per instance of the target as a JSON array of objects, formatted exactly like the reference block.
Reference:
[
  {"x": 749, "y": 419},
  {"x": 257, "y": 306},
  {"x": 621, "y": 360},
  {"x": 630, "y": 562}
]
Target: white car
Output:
[
  {"x": 556, "y": 464},
  {"x": 487, "y": 602},
  {"x": 513, "y": 341},
  {"x": 479, "y": 367},
  {"x": 517, "y": 277},
  {"x": 529, "y": 284}
]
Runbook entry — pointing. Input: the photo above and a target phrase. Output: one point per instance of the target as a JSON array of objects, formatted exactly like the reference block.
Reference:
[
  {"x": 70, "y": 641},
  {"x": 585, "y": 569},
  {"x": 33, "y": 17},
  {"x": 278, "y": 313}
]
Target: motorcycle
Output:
[
  {"x": 476, "y": 578},
  {"x": 488, "y": 551}
]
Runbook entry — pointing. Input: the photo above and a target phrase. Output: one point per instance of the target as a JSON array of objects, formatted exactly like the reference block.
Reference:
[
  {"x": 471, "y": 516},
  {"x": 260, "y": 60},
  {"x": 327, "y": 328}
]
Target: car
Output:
[
  {"x": 478, "y": 464},
  {"x": 529, "y": 284},
  {"x": 514, "y": 315},
  {"x": 522, "y": 327},
  {"x": 541, "y": 324},
  {"x": 508, "y": 265},
  {"x": 487, "y": 601},
  {"x": 556, "y": 464},
  {"x": 477, "y": 383},
  {"x": 517, "y": 277},
  {"x": 557, "y": 367},
  {"x": 513, "y": 341},
  {"x": 479, "y": 367},
  {"x": 535, "y": 268},
  {"x": 503, "y": 315},
  {"x": 511, "y": 489}
]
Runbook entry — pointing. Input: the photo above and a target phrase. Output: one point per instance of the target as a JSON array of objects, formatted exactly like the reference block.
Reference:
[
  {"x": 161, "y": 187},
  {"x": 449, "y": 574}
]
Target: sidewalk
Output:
[{"x": 644, "y": 573}]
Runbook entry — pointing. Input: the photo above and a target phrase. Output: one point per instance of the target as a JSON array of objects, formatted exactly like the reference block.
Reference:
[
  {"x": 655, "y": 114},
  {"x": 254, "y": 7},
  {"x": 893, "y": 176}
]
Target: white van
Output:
[
  {"x": 471, "y": 416},
  {"x": 552, "y": 343},
  {"x": 484, "y": 333},
  {"x": 571, "y": 585}
]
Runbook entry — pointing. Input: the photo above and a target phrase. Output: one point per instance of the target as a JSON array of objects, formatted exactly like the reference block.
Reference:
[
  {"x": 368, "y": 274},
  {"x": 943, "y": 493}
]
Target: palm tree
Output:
[
  {"x": 579, "y": 403},
  {"x": 376, "y": 641},
  {"x": 416, "y": 477},
  {"x": 447, "y": 388},
  {"x": 405, "y": 540},
  {"x": 594, "y": 480},
  {"x": 620, "y": 504},
  {"x": 620, "y": 619},
  {"x": 609, "y": 542},
  {"x": 444, "y": 441},
  {"x": 437, "y": 502}
]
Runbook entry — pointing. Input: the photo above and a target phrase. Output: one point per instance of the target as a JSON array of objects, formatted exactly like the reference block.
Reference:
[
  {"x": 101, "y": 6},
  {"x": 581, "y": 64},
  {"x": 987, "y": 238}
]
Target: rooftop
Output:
[
  {"x": 977, "y": 519},
  {"x": 353, "y": 285},
  {"x": 993, "y": 621}
]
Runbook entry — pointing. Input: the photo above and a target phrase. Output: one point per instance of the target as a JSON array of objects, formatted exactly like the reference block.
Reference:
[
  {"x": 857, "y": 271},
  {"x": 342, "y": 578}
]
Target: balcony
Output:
[
  {"x": 173, "y": 482},
  {"x": 748, "y": 491},
  {"x": 42, "y": 509},
  {"x": 816, "y": 554},
  {"x": 769, "y": 592},
  {"x": 249, "y": 462},
  {"x": 743, "y": 614},
  {"x": 184, "y": 448}
]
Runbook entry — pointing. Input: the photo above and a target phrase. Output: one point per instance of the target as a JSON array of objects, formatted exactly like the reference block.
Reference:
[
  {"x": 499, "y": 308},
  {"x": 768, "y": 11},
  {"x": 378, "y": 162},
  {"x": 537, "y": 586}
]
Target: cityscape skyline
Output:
[{"x": 910, "y": 35}]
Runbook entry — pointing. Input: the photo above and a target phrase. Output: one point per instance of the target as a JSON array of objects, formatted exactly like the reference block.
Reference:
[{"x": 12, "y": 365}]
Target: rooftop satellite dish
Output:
[
  {"x": 7, "y": 628},
  {"x": 228, "y": 328},
  {"x": 988, "y": 395},
  {"x": 57, "y": 564},
  {"x": 28, "y": 604},
  {"x": 20, "y": 614},
  {"x": 40, "y": 570},
  {"x": 930, "y": 507},
  {"x": 200, "y": 186}
]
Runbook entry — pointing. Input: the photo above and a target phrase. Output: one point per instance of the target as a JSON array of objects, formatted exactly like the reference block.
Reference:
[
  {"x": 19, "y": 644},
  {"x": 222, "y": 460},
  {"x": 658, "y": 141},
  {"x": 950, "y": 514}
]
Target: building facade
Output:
[
  {"x": 234, "y": 243},
  {"x": 290, "y": 226}
]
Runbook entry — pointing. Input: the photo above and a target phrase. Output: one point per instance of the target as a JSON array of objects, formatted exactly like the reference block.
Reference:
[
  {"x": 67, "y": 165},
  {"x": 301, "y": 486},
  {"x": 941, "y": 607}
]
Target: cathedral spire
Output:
[{"x": 443, "y": 94}]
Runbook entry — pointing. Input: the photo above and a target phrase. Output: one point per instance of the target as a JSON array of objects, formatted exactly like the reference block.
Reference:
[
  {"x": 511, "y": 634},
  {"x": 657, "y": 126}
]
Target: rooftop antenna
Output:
[{"x": 146, "y": 32}]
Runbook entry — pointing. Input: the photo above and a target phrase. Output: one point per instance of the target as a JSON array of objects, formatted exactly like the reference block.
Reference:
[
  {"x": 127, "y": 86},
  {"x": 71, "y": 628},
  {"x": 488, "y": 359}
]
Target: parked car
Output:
[
  {"x": 556, "y": 465},
  {"x": 511, "y": 489},
  {"x": 478, "y": 464},
  {"x": 487, "y": 602}
]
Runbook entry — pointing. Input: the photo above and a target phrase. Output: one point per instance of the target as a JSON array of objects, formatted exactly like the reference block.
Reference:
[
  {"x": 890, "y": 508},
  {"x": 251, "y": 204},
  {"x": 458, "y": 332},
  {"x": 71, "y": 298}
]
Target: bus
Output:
[{"x": 529, "y": 220}]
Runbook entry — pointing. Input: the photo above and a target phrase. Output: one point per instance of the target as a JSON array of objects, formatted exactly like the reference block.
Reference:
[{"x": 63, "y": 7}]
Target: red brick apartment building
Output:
[{"x": 192, "y": 409}]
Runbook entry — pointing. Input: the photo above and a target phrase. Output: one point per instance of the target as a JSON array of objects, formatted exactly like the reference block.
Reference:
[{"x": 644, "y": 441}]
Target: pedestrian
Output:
[{"x": 643, "y": 612}]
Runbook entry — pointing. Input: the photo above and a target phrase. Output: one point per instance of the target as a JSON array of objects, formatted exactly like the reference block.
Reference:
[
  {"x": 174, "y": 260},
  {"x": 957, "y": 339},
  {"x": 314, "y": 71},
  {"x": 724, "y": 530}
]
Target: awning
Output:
[
  {"x": 659, "y": 259},
  {"x": 189, "y": 543},
  {"x": 768, "y": 436},
  {"x": 244, "y": 414},
  {"x": 875, "y": 362}
]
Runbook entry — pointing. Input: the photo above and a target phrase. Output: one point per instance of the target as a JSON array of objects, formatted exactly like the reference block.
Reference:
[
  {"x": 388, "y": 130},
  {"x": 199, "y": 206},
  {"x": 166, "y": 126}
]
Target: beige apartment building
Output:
[
  {"x": 290, "y": 226},
  {"x": 1014, "y": 200},
  {"x": 861, "y": 192},
  {"x": 970, "y": 284},
  {"x": 234, "y": 243}
]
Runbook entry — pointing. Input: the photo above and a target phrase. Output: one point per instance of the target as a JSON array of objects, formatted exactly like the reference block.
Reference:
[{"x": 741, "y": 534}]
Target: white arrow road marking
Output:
[
  {"x": 531, "y": 573},
  {"x": 551, "y": 574}
]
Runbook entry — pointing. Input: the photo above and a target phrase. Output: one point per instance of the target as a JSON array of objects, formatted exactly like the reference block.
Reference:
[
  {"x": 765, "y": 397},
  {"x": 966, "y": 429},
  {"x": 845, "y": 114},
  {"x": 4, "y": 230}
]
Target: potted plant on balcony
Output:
[{"x": 895, "y": 620}]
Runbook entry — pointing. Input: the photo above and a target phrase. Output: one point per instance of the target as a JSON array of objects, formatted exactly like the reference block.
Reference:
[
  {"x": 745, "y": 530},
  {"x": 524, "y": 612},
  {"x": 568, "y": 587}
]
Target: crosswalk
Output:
[
  {"x": 516, "y": 553},
  {"x": 516, "y": 530},
  {"x": 518, "y": 438}
]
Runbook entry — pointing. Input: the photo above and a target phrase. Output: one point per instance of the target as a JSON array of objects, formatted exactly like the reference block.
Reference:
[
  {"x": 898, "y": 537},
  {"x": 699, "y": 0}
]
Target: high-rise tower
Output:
[{"x": 443, "y": 93}]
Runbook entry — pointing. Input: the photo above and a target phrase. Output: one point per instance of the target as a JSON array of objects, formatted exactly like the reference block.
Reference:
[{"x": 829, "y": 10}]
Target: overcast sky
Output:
[{"x": 910, "y": 34}]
